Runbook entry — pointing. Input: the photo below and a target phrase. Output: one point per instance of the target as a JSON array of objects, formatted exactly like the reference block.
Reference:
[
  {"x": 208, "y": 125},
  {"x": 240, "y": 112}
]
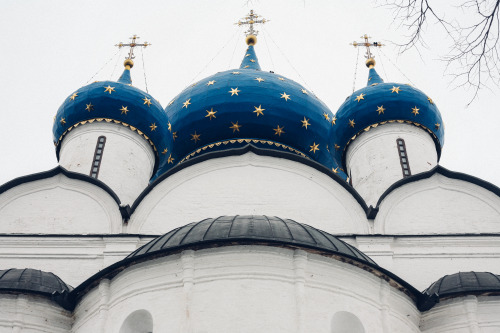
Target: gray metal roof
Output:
[
  {"x": 249, "y": 229},
  {"x": 463, "y": 283},
  {"x": 31, "y": 281}
]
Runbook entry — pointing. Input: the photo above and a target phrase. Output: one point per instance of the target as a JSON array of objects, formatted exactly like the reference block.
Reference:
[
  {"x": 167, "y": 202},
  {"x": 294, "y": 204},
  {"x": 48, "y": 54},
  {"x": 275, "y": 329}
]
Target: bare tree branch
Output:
[{"x": 474, "y": 51}]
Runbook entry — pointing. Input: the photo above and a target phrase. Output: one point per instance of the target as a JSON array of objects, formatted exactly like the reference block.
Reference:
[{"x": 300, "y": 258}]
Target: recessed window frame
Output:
[
  {"x": 98, "y": 153},
  {"x": 403, "y": 157}
]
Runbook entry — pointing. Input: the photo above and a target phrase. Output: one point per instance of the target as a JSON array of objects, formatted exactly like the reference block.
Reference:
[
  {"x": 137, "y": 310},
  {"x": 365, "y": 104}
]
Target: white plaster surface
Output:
[
  {"x": 58, "y": 205},
  {"x": 439, "y": 205},
  {"x": 246, "y": 289},
  {"x": 127, "y": 160},
  {"x": 373, "y": 158},
  {"x": 463, "y": 314},
  {"x": 32, "y": 314},
  {"x": 249, "y": 185}
]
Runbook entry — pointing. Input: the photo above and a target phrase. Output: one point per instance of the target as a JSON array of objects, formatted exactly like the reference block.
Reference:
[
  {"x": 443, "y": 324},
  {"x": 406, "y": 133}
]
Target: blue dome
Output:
[
  {"x": 249, "y": 106},
  {"x": 380, "y": 103},
  {"x": 120, "y": 103}
]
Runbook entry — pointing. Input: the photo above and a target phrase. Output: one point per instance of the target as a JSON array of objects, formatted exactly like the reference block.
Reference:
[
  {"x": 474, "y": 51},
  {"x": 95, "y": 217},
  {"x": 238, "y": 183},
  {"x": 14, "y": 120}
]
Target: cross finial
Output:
[
  {"x": 133, "y": 43},
  {"x": 370, "y": 62},
  {"x": 250, "y": 20}
]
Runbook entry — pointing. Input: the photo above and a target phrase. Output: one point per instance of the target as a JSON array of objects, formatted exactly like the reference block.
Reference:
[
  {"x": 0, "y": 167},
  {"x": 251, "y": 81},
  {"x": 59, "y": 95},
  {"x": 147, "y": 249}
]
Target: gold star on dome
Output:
[
  {"x": 186, "y": 103},
  {"x": 351, "y": 123},
  {"x": 278, "y": 130},
  {"x": 285, "y": 96},
  {"x": 336, "y": 146},
  {"x": 252, "y": 60},
  {"x": 169, "y": 127},
  {"x": 259, "y": 110},
  {"x": 195, "y": 137},
  {"x": 415, "y": 111},
  {"x": 334, "y": 120},
  {"x": 259, "y": 79},
  {"x": 395, "y": 90},
  {"x": 281, "y": 79},
  {"x": 430, "y": 100},
  {"x": 326, "y": 116},
  {"x": 211, "y": 113},
  {"x": 247, "y": 55},
  {"x": 124, "y": 109},
  {"x": 314, "y": 147},
  {"x": 235, "y": 127},
  {"x": 234, "y": 91},
  {"x": 305, "y": 122},
  {"x": 235, "y": 73},
  {"x": 360, "y": 97},
  {"x": 437, "y": 125},
  {"x": 147, "y": 101},
  {"x": 109, "y": 89},
  {"x": 63, "y": 121},
  {"x": 170, "y": 159},
  {"x": 380, "y": 109},
  {"x": 174, "y": 135},
  {"x": 164, "y": 151},
  {"x": 246, "y": 66},
  {"x": 72, "y": 97},
  {"x": 211, "y": 82},
  {"x": 304, "y": 91},
  {"x": 89, "y": 107},
  {"x": 171, "y": 102},
  {"x": 153, "y": 127},
  {"x": 335, "y": 170}
]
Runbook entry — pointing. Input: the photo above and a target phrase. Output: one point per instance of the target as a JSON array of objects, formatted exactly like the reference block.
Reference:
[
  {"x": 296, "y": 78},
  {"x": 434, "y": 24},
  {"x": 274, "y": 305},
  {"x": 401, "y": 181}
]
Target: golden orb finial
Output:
[
  {"x": 251, "y": 40},
  {"x": 370, "y": 63},
  {"x": 128, "y": 63}
]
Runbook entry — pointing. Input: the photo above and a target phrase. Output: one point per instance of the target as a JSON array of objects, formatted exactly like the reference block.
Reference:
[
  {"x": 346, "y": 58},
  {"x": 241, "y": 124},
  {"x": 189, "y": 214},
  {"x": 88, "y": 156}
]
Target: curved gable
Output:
[
  {"x": 58, "y": 202},
  {"x": 439, "y": 202},
  {"x": 249, "y": 184}
]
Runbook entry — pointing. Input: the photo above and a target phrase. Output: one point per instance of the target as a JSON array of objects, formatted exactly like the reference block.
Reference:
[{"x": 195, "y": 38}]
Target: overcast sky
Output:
[{"x": 51, "y": 48}]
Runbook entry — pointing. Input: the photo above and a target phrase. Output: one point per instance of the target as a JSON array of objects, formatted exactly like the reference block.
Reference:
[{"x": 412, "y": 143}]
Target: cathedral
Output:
[{"x": 247, "y": 205}]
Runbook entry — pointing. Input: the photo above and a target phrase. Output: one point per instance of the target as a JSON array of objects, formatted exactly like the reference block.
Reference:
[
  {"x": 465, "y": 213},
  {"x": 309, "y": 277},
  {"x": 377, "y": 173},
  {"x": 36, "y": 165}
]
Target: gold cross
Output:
[
  {"x": 367, "y": 44},
  {"x": 133, "y": 43},
  {"x": 250, "y": 20}
]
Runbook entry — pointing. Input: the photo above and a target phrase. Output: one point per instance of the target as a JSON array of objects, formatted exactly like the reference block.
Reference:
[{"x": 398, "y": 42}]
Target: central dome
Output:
[{"x": 249, "y": 106}]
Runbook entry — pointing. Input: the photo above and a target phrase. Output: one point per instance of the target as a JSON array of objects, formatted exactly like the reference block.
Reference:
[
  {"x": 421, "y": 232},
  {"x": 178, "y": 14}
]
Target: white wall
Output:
[
  {"x": 439, "y": 205},
  {"x": 373, "y": 157},
  {"x": 249, "y": 185},
  {"x": 463, "y": 315},
  {"x": 246, "y": 289},
  {"x": 127, "y": 160},
  {"x": 58, "y": 205},
  {"x": 32, "y": 314}
]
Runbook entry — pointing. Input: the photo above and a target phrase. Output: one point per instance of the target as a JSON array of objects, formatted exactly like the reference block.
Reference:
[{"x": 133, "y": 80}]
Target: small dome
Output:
[
  {"x": 120, "y": 103},
  {"x": 465, "y": 283},
  {"x": 247, "y": 105},
  {"x": 380, "y": 103},
  {"x": 252, "y": 229},
  {"x": 31, "y": 281},
  {"x": 460, "y": 284}
]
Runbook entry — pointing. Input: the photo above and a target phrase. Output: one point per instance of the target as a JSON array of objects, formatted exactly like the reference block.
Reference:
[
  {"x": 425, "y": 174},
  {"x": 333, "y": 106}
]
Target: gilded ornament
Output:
[
  {"x": 360, "y": 97},
  {"x": 352, "y": 123},
  {"x": 109, "y": 89},
  {"x": 305, "y": 122},
  {"x": 314, "y": 147},
  {"x": 380, "y": 109},
  {"x": 285, "y": 96},
  {"x": 278, "y": 130},
  {"x": 124, "y": 109},
  {"x": 195, "y": 137},
  {"x": 153, "y": 127},
  {"x": 235, "y": 127},
  {"x": 89, "y": 107},
  {"x": 72, "y": 97},
  {"x": 259, "y": 110},
  {"x": 211, "y": 113},
  {"x": 415, "y": 111},
  {"x": 186, "y": 103},
  {"x": 234, "y": 91},
  {"x": 395, "y": 90}
]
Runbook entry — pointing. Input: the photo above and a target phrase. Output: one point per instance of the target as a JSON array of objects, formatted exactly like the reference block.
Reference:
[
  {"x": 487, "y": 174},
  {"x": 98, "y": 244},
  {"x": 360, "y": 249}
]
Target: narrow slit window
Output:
[
  {"x": 96, "y": 163},
  {"x": 403, "y": 158}
]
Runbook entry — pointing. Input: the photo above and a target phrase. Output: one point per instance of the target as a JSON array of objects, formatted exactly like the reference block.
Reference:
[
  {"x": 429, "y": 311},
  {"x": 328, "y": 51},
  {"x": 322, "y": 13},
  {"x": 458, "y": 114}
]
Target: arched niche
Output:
[
  {"x": 346, "y": 322},
  {"x": 139, "y": 321}
]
